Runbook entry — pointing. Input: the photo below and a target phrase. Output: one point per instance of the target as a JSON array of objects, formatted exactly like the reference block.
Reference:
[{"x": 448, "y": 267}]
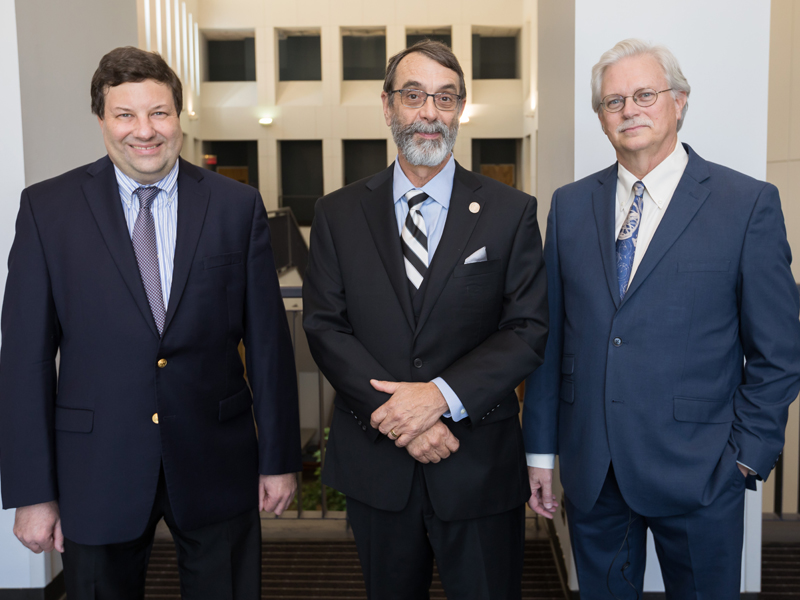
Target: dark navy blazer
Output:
[
  {"x": 86, "y": 437},
  {"x": 656, "y": 384}
]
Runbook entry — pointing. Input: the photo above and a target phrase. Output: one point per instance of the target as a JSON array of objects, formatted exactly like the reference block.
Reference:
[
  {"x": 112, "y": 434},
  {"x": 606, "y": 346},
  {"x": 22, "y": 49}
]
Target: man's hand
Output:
[
  {"x": 275, "y": 492},
  {"x": 745, "y": 471},
  {"x": 433, "y": 445},
  {"x": 38, "y": 527},
  {"x": 542, "y": 501},
  {"x": 412, "y": 409}
]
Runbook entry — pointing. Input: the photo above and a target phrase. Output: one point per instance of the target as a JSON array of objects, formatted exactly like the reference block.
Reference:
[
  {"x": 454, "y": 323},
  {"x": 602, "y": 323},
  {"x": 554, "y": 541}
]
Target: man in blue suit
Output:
[
  {"x": 674, "y": 348},
  {"x": 144, "y": 273}
]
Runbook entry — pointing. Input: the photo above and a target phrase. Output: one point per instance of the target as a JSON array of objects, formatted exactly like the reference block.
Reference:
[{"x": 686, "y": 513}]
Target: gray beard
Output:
[{"x": 425, "y": 153}]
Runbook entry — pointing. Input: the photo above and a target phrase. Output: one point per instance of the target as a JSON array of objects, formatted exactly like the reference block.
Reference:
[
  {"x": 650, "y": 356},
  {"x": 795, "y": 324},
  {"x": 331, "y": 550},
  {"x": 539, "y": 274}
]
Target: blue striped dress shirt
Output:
[{"x": 165, "y": 215}]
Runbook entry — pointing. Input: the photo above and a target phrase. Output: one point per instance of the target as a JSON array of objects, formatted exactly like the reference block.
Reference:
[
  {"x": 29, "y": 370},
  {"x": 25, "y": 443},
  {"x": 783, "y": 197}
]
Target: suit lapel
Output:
[
  {"x": 604, "y": 204},
  {"x": 689, "y": 196},
  {"x": 457, "y": 231},
  {"x": 192, "y": 206},
  {"x": 102, "y": 195},
  {"x": 378, "y": 208}
]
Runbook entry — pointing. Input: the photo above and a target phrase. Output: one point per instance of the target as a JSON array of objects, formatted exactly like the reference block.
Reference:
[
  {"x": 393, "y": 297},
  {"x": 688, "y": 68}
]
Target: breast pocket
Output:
[
  {"x": 479, "y": 268},
  {"x": 222, "y": 260}
]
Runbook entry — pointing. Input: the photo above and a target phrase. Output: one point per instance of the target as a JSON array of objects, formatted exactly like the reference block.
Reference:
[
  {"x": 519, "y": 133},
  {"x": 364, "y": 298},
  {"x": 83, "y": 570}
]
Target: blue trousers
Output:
[{"x": 700, "y": 552}]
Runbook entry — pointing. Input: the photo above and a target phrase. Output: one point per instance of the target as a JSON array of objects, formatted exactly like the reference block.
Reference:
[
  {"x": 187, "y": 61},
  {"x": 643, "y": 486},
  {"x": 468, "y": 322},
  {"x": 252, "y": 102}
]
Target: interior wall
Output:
[
  {"x": 14, "y": 558},
  {"x": 60, "y": 45}
]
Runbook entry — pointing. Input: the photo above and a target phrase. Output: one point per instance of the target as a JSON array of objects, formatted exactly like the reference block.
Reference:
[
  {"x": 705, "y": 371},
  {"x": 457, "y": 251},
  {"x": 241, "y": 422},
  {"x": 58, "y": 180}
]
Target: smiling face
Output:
[
  {"x": 641, "y": 133},
  {"x": 426, "y": 135},
  {"x": 141, "y": 130}
]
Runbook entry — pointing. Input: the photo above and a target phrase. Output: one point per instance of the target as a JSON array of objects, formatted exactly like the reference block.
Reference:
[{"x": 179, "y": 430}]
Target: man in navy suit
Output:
[
  {"x": 144, "y": 273},
  {"x": 674, "y": 348}
]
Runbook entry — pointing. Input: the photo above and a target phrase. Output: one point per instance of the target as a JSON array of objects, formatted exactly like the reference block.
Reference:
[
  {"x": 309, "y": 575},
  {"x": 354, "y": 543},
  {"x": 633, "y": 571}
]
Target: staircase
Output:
[{"x": 330, "y": 571}]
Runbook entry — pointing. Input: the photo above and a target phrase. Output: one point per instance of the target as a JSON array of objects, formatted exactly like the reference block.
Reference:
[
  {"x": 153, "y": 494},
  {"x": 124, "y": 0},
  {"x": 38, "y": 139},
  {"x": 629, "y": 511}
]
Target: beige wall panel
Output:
[
  {"x": 362, "y": 93},
  {"x": 768, "y": 497},
  {"x": 266, "y": 65},
  {"x": 297, "y": 125},
  {"x": 228, "y": 94},
  {"x": 416, "y": 11},
  {"x": 502, "y": 13},
  {"x": 498, "y": 92},
  {"x": 332, "y": 165},
  {"x": 315, "y": 12},
  {"x": 395, "y": 40},
  {"x": 323, "y": 117},
  {"x": 794, "y": 133},
  {"x": 299, "y": 93},
  {"x": 778, "y": 175},
  {"x": 349, "y": 14},
  {"x": 363, "y": 122},
  {"x": 444, "y": 13},
  {"x": 231, "y": 14},
  {"x": 378, "y": 12},
  {"x": 228, "y": 124},
  {"x": 780, "y": 84},
  {"x": 282, "y": 14}
]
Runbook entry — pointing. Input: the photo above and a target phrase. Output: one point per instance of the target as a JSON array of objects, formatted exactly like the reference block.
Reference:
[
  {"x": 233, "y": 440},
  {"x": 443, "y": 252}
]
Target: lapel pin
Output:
[{"x": 474, "y": 207}]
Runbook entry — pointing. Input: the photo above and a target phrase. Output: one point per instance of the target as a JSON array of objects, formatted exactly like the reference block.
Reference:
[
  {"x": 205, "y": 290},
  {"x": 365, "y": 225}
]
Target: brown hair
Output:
[
  {"x": 434, "y": 50},
  {"x": 132, "y": 65}
]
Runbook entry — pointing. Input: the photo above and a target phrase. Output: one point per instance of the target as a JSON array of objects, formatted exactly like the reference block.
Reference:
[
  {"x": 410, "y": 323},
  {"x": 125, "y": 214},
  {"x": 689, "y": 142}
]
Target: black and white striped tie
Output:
[
  {"x": 146, "y": 249},
  {"x": 414, "y": 240}
]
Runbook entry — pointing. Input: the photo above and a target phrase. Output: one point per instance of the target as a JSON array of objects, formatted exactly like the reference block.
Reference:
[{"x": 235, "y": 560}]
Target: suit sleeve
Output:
[
  {"x": 30, "y": 339},
  {"x": 491, "y": 371},
  {"x": 338, "y": 353},
  {"x": 540, "y": 409},
  {"x": 769, "y": 331},
  {"x": 269, "y": 356}
]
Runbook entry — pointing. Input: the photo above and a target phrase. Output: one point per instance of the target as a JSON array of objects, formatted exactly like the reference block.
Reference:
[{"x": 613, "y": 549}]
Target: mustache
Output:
[
  {"x": 422, "y": 127},
  {"x": 634, "y": 122}
]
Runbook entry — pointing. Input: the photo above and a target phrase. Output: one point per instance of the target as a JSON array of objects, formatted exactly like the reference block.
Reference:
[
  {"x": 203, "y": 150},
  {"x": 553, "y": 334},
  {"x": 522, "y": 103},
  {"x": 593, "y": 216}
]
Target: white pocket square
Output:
[{"x": 477, "y": 256}]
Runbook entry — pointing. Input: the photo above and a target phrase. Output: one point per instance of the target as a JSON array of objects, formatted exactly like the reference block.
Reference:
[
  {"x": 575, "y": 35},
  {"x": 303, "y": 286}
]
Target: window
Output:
[
  {"x": 497, "y": 158},
  {"x": 299, "y": 55},
  {"x": 363, "y": 54},
  {"x": 363, "y": 158},
  {"x": 495, "y": 56},
  {"x": 301, "y": 177},
  {"x": 235, "y": 159},
  {"x": 231, "y": 60},
  {"x": 438, "y": 34}
]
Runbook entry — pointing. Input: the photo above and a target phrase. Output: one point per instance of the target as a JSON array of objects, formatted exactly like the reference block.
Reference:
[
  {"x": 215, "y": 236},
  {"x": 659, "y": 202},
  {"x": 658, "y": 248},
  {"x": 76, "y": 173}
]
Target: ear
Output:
[
  {"x": 680, "y": 101},
  {"x": 100, "y": 122},
  {"x": 602, "y": 122},
  {"x": 386, "y": 100}
]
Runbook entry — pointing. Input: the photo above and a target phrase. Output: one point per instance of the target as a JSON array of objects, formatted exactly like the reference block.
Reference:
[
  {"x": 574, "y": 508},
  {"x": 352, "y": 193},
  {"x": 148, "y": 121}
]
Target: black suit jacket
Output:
[
  {"x": 86, "y": 437},
  {"x": 482, "y": 327}
]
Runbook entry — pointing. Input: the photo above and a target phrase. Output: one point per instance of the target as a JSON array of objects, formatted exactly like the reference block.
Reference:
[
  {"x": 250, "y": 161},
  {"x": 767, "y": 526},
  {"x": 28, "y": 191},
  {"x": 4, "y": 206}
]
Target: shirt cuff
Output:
[
  {"x": 457, "y": 410},
  {"x": 746, "y": 467},
  {"x": 541, "y": 461}
]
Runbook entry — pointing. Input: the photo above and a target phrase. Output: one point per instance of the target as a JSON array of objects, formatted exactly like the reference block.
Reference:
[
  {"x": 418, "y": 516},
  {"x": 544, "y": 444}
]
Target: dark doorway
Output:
[
  {"x": 301, "y": 177},
  {"x": 363, "y": 158}
]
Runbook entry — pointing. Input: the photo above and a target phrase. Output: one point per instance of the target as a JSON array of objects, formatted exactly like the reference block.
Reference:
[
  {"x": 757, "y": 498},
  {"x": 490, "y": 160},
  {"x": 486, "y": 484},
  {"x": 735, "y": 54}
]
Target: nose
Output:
[
  {"x": 428, "y": 111},
  {"x": 630, "y": 109},
  {"x": 145, "y": 129}
]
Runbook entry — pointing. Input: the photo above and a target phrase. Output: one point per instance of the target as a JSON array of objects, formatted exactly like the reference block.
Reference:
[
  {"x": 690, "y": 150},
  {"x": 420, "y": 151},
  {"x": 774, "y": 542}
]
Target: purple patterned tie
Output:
[{"x": 146, "y": 249}]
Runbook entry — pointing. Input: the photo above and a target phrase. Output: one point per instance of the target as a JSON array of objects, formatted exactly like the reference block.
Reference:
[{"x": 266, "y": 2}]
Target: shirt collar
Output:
[
  {"x": 661, "y": 182},
  {"x": 440, "y": 188},
  {"x": 168, "y": 184}
]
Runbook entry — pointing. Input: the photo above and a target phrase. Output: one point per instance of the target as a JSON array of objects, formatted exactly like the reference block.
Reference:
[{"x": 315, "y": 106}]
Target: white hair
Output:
[{"x": 635, "y": 47}]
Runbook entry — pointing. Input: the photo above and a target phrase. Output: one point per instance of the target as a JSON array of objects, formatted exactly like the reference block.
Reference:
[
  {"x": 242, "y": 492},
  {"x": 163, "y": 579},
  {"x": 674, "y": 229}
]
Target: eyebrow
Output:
[
  {"x": 126, "y": 109},
  {"x": 418, "y": 86}
]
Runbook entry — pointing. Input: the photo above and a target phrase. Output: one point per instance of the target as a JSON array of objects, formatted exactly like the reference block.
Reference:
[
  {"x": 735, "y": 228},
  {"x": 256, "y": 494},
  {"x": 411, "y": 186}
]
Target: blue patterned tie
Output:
[
  {"x": 146, "y": 249},
  {"x": 626, "y": 243}
]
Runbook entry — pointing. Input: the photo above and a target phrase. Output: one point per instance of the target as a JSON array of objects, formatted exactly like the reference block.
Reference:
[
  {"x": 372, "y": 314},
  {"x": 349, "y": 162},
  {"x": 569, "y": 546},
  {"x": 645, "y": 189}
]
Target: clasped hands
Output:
[{"x": 411, "y": 417}]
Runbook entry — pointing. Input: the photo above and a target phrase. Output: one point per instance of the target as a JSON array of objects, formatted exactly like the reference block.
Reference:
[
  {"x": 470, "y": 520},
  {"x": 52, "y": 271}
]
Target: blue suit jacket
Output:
[
  {"x": 656, "y": 384},
  {"x": 86, "y": 438}
]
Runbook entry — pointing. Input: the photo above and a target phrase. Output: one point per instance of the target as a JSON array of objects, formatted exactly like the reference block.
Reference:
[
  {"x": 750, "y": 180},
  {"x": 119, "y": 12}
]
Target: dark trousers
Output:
[
  {"x": 216, "y": 562},
  {"x": 478, "y": 559},
  {"x": 700, "y": 552}
]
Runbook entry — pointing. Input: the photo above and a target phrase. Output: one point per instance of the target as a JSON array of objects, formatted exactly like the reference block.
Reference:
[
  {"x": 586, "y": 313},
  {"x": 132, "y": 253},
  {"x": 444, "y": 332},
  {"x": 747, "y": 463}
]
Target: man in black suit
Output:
[
  {"x": 144, "y": 273},
  {"x": 425, "y": 306}
]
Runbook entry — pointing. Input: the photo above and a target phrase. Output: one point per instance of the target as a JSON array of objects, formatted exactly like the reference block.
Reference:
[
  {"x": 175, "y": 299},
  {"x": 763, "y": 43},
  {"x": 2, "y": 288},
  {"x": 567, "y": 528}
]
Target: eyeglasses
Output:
[
  {"x": 644, "y": 97},
  {"x": 418, "y": 98}
]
